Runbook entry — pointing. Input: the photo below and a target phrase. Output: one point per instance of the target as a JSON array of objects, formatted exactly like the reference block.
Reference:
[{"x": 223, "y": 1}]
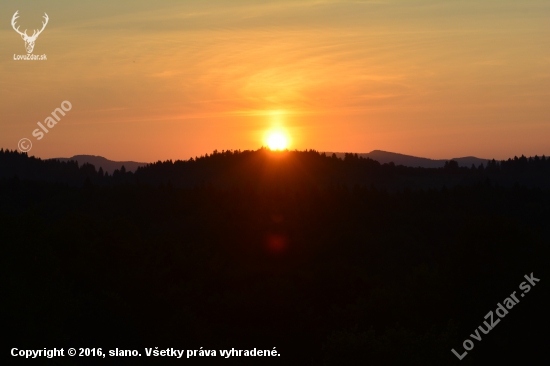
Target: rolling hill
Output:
[
  {"x": 381, "y": 156},
  {"x": 101, "y": 162},
  {"x": 384, "y": 157}
]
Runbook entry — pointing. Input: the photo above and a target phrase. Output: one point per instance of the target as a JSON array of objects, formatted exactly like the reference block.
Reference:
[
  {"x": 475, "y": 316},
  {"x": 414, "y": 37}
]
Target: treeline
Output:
[{"x": 263, "y": 168}]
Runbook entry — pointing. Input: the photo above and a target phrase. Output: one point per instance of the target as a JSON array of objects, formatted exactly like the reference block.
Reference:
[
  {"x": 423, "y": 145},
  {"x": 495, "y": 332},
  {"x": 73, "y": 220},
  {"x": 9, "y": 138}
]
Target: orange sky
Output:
[{"x": 171, "y": 79}]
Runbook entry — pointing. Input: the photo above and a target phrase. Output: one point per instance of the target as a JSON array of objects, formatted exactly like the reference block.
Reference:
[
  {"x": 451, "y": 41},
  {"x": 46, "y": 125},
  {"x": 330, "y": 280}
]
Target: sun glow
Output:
[{"x": 277, "y": 140}]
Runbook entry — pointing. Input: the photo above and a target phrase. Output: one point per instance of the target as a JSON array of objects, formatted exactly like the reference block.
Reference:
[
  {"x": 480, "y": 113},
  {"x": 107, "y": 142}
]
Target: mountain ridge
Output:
[
  {"x": 101, "y": 162},
  {"x": 386, "y": 157},
  {"x": 383, "y": 157}
]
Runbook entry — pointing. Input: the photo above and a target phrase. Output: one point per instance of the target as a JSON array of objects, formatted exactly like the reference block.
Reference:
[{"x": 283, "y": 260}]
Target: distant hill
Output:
[
  {"x": 384, "y": 157},
  {"x": 101, "y": 162}
]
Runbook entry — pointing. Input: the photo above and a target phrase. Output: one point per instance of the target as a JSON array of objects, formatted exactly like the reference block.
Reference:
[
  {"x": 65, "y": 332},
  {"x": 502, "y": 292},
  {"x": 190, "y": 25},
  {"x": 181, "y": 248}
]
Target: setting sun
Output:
[{"x": 277, "y": 141}]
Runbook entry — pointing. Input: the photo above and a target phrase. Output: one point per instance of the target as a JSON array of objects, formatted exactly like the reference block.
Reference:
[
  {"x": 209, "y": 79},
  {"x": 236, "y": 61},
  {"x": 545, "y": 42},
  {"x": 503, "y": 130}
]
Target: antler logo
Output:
[{"x": 29, "y": 41}]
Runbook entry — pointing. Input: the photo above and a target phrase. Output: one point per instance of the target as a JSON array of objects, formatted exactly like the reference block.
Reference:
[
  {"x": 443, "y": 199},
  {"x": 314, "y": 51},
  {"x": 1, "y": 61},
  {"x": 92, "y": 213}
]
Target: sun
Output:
[{"x": 277, "y": 140}]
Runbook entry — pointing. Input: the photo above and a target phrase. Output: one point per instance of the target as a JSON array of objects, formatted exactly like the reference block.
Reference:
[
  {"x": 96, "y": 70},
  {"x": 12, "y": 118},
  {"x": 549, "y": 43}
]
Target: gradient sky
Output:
[{"x": 165, "y": 79}]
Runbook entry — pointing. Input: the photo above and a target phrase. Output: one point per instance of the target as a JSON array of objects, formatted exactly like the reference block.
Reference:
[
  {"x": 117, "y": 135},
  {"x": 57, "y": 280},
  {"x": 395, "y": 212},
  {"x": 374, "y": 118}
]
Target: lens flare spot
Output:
[{"x": 276, "y": 244}]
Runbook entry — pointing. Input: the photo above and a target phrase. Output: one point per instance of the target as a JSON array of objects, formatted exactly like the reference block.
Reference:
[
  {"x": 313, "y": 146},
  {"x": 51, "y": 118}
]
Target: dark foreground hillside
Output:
[{"x": 327, "y": 274}]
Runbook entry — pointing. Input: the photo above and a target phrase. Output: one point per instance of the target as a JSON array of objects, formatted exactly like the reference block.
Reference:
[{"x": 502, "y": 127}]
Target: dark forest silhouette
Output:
[
  {"x": 332, "y": 261},
  {"x": 264, "y": 168}
]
